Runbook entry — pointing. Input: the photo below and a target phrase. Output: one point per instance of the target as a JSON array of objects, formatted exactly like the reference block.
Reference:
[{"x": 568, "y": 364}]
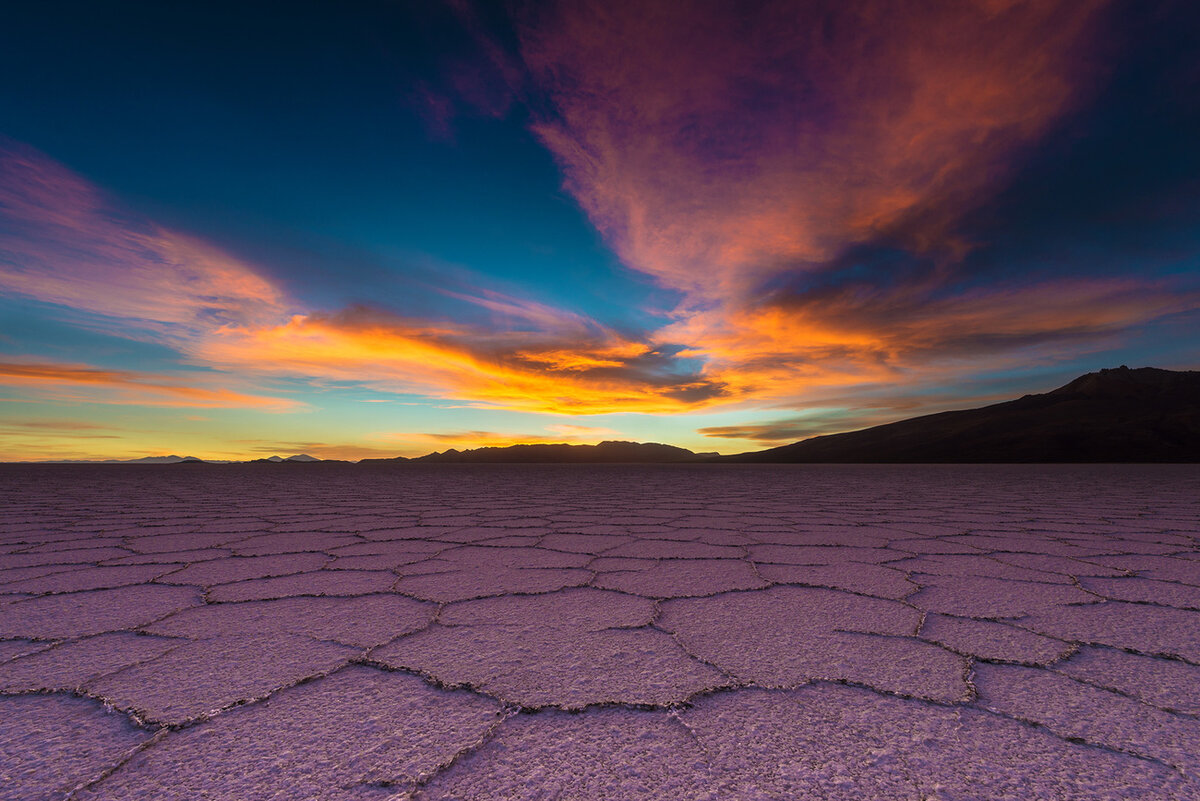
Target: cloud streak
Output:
[
  {"x": 540, "y": 371},
  {"x": 481, "y": 439},
  {"x": 129, "y": 387},
  {"x": 780, "y": 431},
  {"x": 795, "y": 346},
  {"x": 63, "y": 241}
]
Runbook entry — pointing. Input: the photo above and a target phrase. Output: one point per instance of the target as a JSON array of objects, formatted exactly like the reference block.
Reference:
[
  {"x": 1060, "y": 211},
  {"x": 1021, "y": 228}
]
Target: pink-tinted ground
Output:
[{"x": 551, "y": 632}]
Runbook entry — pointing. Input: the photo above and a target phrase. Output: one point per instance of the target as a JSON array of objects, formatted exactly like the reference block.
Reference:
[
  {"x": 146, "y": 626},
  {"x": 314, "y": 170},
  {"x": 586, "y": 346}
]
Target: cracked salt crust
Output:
[
  {"x": 73, "y": 741},
  {"x": 363, "y": 621},
  {"x": 992, "y": 641},
  {"x": 588, "y": 632},
  {"x": 1070, "y": 708},
  {"x": 347, "y": 736}
]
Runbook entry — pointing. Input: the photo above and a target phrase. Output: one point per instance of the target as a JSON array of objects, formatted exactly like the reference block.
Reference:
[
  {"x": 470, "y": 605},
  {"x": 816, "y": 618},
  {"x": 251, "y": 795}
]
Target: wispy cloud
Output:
[
  {"x": 53, "y": 425},
  {"x": 482, "y": 78},
  {"x": 63, "y": 241},
  {"x": 421, "y": 442},
  {"x": 779, "y": 431},
  {"x": 255, "y": 448},
  {"x": 473, "y": 439},
  {"x": 582, "y": 432},
  {"x": 129, "y": 387},
  {"x": 526, "y": 370}
]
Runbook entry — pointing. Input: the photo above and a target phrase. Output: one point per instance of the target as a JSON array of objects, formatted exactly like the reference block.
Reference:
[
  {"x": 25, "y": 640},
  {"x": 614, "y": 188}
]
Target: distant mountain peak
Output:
[
  {"x": 172, "y": 459},
  {"x": 1126, "y": 382},
  {"x": 300, "y": 458}
]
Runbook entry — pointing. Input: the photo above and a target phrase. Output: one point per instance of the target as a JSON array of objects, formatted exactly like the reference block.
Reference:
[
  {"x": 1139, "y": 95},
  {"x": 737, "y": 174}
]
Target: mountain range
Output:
[
  {"x": 609, "y": 452},
  {"x": 300, "y": 457},
  {"x": 1116, "y": 415}
]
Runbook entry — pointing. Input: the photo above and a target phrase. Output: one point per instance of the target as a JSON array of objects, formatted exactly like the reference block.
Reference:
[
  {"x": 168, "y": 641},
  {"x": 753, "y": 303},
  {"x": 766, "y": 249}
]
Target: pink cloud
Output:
[
  {"x": 130, "y": 387},
  {"x": 64, "y": 242},
  {"x": 715, "y": 145}
]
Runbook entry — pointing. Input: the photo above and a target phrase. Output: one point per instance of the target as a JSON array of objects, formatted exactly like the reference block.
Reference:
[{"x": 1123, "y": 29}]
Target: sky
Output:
[{"x": 385, "y": 228}]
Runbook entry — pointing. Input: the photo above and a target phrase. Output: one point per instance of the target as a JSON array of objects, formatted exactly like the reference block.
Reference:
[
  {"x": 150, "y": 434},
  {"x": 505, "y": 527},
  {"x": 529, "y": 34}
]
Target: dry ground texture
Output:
[{"x": 599, "y": 632}]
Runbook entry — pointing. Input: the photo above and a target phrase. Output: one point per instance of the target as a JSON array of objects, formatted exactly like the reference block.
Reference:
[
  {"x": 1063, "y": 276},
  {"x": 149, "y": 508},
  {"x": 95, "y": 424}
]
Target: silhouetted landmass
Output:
[
  {"x": 610, "y": 452},
  {"x": 300, "y": 458},
  {"x": 172, "y": 459},
  {"x": 1119, "y": 415}
]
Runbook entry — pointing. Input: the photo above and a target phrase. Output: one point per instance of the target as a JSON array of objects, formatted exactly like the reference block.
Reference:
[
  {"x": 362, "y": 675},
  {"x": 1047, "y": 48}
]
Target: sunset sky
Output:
[{"x": 359, "y": 229}]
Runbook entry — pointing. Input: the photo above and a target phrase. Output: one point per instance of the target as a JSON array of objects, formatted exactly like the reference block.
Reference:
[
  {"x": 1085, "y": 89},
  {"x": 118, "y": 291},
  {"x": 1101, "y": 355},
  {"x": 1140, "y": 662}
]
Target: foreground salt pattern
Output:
[{"x": 579, "y": 632}]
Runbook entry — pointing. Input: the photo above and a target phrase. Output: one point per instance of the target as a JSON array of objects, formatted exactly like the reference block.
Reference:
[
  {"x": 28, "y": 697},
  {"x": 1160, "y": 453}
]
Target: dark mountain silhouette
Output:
[
  {"x": 298, "y": 458},
  {"x": 1119, "y": 415},
  {"x": 610, "y": 452},
  {"x": 172, "y": 459}
]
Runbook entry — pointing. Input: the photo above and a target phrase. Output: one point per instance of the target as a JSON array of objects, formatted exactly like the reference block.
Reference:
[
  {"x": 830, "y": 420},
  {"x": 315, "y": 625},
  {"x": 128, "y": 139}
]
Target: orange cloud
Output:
[
  {"x": 125, "y": 387},
  {"x": 470, "y": 439},
  {"x": 574, "y": 360},
  {"x": 802, "y": 349},
  {"x": 577, "y": 432},
  {"x": 514, "y": 370},
  {"x": 253, "y": 448},
  {"x": 52, "y": 425}
]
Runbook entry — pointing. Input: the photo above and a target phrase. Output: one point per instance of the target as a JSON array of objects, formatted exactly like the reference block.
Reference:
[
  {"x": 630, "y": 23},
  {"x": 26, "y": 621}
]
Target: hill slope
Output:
[{"x": 1119, "y": 415}]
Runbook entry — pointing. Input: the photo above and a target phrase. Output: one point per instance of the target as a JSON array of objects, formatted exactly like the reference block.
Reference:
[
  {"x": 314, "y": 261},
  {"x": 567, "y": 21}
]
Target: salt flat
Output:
[{"x": 585, "y": 632}]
